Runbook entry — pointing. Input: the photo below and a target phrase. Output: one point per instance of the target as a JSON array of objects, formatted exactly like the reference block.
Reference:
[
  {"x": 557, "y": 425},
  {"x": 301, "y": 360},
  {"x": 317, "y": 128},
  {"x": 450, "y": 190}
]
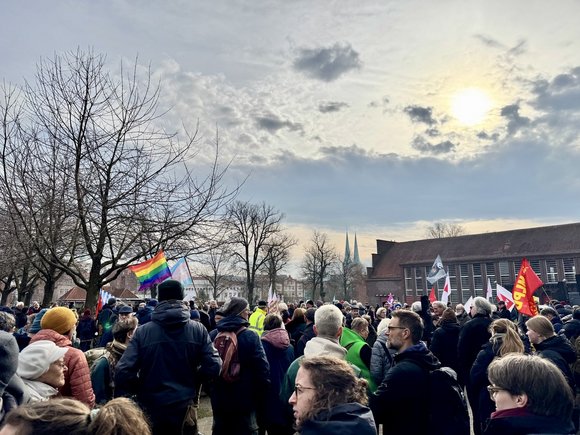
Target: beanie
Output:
[
  {"x": 152, "y": 302},
  {"x": 170, "y": 289},
  {"x": 36, "y": 358},
  {"x": 8, "y": 359},
  {"x": 59, "y": 319},
  {"x": 234, "y": 307},
  {"x": 262, "y": 304},
  {"x": 35, "y": 327},
  {"x": 194, "y": 315}
]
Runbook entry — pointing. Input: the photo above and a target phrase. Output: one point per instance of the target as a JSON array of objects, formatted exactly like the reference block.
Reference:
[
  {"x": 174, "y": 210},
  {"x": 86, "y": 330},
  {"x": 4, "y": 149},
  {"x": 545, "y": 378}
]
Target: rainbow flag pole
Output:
[{"x": 152, "y": 271}]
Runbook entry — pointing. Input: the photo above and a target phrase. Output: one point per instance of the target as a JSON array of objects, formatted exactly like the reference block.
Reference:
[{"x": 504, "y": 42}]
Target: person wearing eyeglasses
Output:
[
  {"x": 531, "y": 396},
  {"x": 401, "y": 401},
  {"x": 41, "y": 367},
  {"x": 329, "y": 399}
]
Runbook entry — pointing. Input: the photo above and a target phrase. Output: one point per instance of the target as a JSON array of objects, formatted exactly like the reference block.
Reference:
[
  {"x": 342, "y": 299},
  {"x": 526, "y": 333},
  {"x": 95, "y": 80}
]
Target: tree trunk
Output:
[{"x": 48, "y": 291}]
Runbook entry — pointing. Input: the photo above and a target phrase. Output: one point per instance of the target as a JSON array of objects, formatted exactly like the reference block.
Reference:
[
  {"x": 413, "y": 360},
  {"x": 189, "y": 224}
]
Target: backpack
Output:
[
  {"x": 226, "y": 343},
  {"x": 448, "y": 414}
]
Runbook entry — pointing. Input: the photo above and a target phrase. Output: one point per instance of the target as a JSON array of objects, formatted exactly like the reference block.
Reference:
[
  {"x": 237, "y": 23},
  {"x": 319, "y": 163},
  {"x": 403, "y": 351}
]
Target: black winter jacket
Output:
[
  {"x": 474, "y": 334},
  {"x": 402, "y": 400},
  {"x": 164, "y": 359},
  {"x": 559, "y": 350},
  {"x": 345, "y": 419},
  {"x": 444, "y": 344},
  {"x": 248, "y": 394}
]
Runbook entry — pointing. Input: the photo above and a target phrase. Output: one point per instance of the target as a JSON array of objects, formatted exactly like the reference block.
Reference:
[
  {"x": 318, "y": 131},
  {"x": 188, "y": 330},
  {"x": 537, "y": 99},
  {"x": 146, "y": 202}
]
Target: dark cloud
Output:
[
  {"x": 273, "y": 123},
  {"x": 421, "y": 114},
  {"x": 421, "y": 144},
  {"x": 562, "y": 93},
  {"x": 490, "y": 42},
  {"x": 432, "y": 132},
  {"x": 382, "y": 103},
  {"x": 515, "y": 120},
  {"x": 331, "y": 106},
  {"x": 485, "y": 136},
  {"x": 327, "y": 63},
  {"x": 518, "y": 49}
]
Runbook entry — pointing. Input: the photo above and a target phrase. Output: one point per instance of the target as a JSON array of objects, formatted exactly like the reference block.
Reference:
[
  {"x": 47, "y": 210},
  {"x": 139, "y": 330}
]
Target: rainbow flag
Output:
[{"x": 152, "y": 271}]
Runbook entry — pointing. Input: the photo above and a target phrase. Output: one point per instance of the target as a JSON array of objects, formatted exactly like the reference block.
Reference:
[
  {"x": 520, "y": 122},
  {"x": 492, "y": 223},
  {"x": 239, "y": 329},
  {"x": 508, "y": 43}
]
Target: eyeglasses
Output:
[
  {"x": 298, "y": 389},
  {"x": 493, "y": 390},
  {"x": 389, "y": 328}
]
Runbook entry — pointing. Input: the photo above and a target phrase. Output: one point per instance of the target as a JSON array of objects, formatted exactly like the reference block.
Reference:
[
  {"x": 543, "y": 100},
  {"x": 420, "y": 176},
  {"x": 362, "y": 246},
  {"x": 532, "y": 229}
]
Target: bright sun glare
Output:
[{"x": 470, "y": 106}]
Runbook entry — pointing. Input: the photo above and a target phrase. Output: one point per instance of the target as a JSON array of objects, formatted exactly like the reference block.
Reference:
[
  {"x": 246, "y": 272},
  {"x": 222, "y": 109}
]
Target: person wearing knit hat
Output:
[
  {"x": 170, "y": 289},
  {"x": 59, "y": 319},
  {"x": 58, "y": 326},
  {"x": 230, "y": 414},
  {"x": 235, "y": 307},
  {"x": 41, "y": 367},
  {"x": 165, "y": 362},
  {"x": 36, "y": 323}
]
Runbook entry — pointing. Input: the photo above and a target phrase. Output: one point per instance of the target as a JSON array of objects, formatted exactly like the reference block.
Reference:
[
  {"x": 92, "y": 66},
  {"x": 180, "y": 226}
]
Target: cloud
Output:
[
  {"x": 421, "y": 144},
  {"x": 420, "y": 114},
  {"x": 331, "y": 106},
  {"x": 327, "y": 63},
  {"x": 515, "y": 120},
  {"x": 562, "y": 93},
  {"x": 272, "y": 123},
  {"x": 488, "y": 41},
  {"x": 486, "y": 136}
]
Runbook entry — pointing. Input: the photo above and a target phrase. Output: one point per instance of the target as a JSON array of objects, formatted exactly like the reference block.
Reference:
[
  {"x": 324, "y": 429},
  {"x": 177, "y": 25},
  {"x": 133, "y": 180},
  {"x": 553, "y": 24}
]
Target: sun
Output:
[{"x": 470, "y": 106}]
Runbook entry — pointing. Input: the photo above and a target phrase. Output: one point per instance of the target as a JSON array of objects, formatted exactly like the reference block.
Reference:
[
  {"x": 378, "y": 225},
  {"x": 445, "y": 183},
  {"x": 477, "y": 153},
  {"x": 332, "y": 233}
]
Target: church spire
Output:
[
  {"x": 347, "y": 251},
  {"x": 356, "y": 258}
]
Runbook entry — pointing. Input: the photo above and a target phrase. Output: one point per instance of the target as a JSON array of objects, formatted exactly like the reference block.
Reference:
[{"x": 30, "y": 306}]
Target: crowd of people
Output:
[{"x": 281, "y": 368}]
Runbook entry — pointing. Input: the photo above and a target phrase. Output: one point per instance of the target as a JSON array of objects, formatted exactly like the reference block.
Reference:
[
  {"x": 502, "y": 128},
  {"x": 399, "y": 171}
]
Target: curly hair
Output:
[{"x": 335, "y": 383}]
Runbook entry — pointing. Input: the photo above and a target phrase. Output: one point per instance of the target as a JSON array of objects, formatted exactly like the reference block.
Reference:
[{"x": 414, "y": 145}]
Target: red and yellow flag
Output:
[{"x": 526, "y": 284}]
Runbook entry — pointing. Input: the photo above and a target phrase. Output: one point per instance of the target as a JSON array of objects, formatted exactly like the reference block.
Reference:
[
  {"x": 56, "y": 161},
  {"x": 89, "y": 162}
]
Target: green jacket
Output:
[{"x": 353, "y": 343}]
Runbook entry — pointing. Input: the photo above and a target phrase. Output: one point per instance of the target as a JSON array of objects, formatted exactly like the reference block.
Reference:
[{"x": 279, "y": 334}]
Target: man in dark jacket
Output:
[
  {"x": 236, "y": 404},
  {"x": 163, "y": 361},
  {"x": 571, "y": 328},
  {"x": 308, "y": 333},
  {"x": 402, "y": 400}
]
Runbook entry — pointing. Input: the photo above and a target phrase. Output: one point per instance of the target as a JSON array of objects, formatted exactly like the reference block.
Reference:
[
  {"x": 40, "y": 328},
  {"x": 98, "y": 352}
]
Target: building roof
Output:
[
  {"x": 529, "y": 242},
  {"x": 79, "y": 294}
]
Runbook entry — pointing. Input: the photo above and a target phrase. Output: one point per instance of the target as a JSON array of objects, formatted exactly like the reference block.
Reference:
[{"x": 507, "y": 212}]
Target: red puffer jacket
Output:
[{"x": 77, "y": 379}]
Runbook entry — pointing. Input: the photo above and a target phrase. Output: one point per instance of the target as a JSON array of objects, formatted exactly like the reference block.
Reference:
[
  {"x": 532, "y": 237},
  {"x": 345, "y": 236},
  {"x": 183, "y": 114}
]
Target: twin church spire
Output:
[{"x": 355, "y": 258}]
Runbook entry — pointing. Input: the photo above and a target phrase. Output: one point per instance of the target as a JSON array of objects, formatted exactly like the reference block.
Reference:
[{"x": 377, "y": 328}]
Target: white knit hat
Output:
[{"x": 35, "y": 359}]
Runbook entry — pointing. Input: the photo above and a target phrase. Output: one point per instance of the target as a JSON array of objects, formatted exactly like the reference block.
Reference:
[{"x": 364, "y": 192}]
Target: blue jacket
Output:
[
  {"x": 344, "y": 419},
  {"x": 164, "y": 360}
]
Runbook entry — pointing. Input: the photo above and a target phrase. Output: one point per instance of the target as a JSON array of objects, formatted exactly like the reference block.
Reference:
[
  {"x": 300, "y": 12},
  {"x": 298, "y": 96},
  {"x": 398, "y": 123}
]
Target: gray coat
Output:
[{"x": 380, "y": 361}]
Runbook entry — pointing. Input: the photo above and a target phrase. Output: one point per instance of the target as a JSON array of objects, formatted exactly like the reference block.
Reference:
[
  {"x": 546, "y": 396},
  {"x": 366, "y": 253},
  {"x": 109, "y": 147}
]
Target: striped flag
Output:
[
  {"x": 446, "y": 290},
  {"x": 504, "y": 295},
  {"x": 152, "y": 271},
  {"x": 180, "y": 272}
]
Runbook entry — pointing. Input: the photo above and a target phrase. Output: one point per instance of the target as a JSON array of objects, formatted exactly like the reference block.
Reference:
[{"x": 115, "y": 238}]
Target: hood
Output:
[
  {"x": 232, "y": 323},
  {"x": 171, "y": 313},
  {"x": 50, "y": 335},
  {"x": 349, "y": 337},
  {"x": 277, "y": 337},
  {"x": 343, "y": 419},
  {"x": 558, "y": 344},
  {"x": 450, "y": 326},
  {"x": 319, "y": 346},
  {"x": 420, "y": 355}
]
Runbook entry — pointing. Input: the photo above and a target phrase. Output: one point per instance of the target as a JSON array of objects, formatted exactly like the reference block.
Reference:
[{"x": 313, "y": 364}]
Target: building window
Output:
[
  {"x": 504, "y": 273},
  {"x": 409, "y": 281},
  {"x": 490, "y": 275},
  {"x": 551, "y": 271},
  {"x": 536, "y": 267},
  {"x": 453, "y": 284},
  {"x": 569, "y": 270},
  {"x": 465, "y": 282},
  {"x": 419, "y": 281},
  {"x": 478, "y": 280}
]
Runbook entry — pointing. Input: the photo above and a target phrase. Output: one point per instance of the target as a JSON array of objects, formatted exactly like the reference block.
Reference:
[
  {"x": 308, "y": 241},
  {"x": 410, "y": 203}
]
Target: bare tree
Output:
[
  {"x": 441, "y": 229},
  {"x": 125, "y": 189},
  {"x": 216, "y": 267},
  {"x": 278, "y": 256},
  {"x": 319, "y": 259},
  {"x": 253, "y": 228}
]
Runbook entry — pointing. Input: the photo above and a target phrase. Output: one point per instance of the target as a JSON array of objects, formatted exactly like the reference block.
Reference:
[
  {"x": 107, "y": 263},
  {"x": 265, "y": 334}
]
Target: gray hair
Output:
[
  {"x": 416, "y": 306},
  {"x": 328, "y": 321},
  {"x": 383, "y": 325},
  {"x": 7, "y": 322},
  {"x": 482, "y": 306},
  {"x": 439, "y": 304}
]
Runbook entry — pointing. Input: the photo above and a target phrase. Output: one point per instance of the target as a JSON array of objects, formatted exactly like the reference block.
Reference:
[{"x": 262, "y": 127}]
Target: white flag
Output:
[
  {"x": 437, "y": 271},
  {"x": 446, "y": 290},
  {"x": 489, "y": 294},
  {"x": 506, "y": 296},
  {"x": 467, "y": 305}
]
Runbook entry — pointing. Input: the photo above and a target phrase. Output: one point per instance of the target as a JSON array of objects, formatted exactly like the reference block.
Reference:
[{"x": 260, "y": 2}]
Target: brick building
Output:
[{"x": 554, "y": 254}]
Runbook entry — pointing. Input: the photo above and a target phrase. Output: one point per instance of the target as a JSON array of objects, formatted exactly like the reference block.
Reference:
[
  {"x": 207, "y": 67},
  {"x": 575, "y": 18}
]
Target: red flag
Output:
[
  {"x": 432, "y": 297},
  {"x": 526, "y": 284},
  {"x": 99, "y": 304}
]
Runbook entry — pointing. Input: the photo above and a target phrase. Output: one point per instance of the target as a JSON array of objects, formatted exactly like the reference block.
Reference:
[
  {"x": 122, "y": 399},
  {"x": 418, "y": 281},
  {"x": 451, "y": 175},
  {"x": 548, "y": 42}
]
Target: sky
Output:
[{"x": 372, "y": 117}]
